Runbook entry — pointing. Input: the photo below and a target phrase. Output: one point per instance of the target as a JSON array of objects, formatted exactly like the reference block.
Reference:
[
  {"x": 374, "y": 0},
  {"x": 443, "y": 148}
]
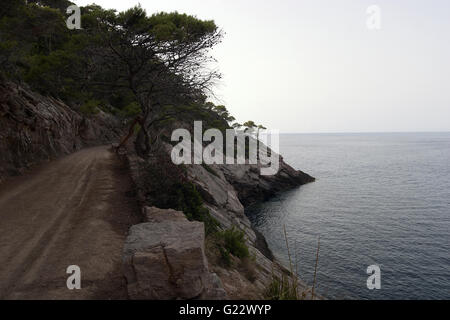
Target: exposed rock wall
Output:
[
  {"x": 164, "y": 257},
  {"x": 34, "y": 128},
  {"x": 224, "y": 189},
  {"x": 224, "y": 192},
  {"x": 252, "y": 187}
]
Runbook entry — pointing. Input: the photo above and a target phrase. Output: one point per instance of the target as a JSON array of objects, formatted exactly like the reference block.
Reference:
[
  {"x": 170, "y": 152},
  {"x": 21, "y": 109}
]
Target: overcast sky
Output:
[{"x": 314, "y": 65}]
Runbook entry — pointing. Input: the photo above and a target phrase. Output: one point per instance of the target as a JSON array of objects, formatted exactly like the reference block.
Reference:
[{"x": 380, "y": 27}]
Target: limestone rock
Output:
[
  {"x": 226, "y": 189},
  {"x": 34, "y": 128},
  {"x": 165, "y": 259},
  {"x": 252, "y": 187},
  {"x": 154, "y": 214}
]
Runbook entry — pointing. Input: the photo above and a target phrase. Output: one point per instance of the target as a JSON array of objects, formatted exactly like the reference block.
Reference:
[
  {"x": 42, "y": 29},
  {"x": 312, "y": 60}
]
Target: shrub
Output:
[
  {"x": 234, "y": 242},
  {"x": 166, "y": 187},
  {"x": 191, "y": 203},
  {"x": 90, "y": 107},
  {"x": 224, "y": 257},
  {"x": 131, "y": 110}
]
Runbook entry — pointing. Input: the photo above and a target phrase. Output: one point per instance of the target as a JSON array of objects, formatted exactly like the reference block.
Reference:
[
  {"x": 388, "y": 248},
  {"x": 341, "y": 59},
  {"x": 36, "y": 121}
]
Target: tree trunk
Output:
[
  {"x": 142, "y": 142},
  {"x": 130, "y": 133}
]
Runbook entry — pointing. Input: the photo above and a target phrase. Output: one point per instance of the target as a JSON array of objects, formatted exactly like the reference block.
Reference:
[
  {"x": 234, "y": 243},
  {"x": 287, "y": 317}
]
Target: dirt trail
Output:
[{"x": 72, "y": 211}]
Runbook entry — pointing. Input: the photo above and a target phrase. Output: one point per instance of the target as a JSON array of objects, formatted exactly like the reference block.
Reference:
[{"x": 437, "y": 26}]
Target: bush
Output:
[
  {"x": 166, "y": 187},
  {"x": 131, "y": 110},
  {"x": 224, "y": 257},
  {"x": 191, "y": 203},
  {"x": 234, "y": 242},
  {"x": 90, "y": 107}
]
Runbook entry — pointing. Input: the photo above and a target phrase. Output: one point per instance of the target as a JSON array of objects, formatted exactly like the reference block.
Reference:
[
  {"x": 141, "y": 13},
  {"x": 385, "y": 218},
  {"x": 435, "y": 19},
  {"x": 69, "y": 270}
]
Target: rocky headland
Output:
[{"x": 171, "y": 254}]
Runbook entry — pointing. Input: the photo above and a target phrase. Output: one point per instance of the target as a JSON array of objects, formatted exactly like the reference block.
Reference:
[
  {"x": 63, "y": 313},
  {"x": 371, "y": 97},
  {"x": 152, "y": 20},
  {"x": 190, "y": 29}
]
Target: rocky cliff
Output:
[
  {"x": 225, "y": 189},
  {"x": 35, "y": 128},
  {"x": 166, "y": 256}
]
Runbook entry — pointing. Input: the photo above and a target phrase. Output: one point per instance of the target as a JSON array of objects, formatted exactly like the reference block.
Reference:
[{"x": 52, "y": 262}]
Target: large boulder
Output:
[
  {"x": 157, "y": 215},
  {"x": 165, "y": 259}
]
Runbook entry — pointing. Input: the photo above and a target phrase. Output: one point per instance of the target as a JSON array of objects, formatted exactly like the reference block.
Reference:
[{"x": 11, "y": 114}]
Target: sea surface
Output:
[{"x": 379, "y": 199}]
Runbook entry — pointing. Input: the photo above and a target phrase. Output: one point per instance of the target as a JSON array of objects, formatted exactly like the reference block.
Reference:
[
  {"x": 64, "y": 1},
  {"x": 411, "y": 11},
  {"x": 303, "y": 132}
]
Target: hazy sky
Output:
[{"x": 314, "y": 66}]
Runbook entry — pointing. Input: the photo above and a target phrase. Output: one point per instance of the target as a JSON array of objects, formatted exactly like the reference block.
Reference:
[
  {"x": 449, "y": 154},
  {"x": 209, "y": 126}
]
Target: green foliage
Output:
[
  {"x": 7, "y": 57},
  {"x": 283, "y": 289},
  {"x": 223, "y": 113},
  {"x": 167, "y": 187},
  {"x": 191, "y": 203},
  {"x": 47, "y": 74},
  {"x": 131, "y": 110},
  {"x": 234, "y": 242},
  {"x": 249, "y": 124},
  {"x": 57, "y": 4},
  {"x": 91, "y": 107},
  {"x": 10, "y": 7},
  {"x": 93, "y": 63},
  {"x": 211, "y": 115},
  {"x": 231, "y": 242},
  {"x": 224, "y": 257}
]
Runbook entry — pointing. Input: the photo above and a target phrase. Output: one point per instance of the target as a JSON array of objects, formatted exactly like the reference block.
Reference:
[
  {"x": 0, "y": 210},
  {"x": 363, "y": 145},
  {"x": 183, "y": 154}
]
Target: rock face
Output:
[
  {"x": 156, "y": 215},
  {"x": 222, "y": 192},
  {"x": 34, "y": 128},
  {"x": 164, "y": 258},
  {"x": 225, "y": 190},
  {"x": 252, "y": 187}
]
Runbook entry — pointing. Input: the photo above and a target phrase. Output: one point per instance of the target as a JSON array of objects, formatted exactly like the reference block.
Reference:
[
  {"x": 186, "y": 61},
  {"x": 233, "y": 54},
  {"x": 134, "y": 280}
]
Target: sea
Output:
[{"x": 379, "y": 199}]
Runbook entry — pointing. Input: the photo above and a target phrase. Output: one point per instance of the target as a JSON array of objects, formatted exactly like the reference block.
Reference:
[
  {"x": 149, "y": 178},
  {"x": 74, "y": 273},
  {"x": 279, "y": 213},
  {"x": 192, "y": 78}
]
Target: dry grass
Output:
[{"x": 288, "y": 287}]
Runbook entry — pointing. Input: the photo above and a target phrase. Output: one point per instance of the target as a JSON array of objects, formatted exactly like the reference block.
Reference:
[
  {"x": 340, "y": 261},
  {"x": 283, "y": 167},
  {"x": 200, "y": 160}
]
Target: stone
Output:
[
  {"x": 154, "y": 214},
  {"x": 165, "y": 259},
  {"x": 214, "y": 289},
  {"x": 226, "y": 190}
]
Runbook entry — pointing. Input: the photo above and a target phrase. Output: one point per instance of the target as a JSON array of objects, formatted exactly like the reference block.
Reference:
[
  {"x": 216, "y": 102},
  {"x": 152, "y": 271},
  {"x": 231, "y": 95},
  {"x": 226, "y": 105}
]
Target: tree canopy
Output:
[{"x": 129, "y": 63}]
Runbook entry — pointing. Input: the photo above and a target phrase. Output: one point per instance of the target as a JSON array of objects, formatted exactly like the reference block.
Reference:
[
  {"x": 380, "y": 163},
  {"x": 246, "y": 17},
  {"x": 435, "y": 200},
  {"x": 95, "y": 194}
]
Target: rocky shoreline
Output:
[
  {"x": 225, "y": 189},
  {"x": 37, "y": 128}
]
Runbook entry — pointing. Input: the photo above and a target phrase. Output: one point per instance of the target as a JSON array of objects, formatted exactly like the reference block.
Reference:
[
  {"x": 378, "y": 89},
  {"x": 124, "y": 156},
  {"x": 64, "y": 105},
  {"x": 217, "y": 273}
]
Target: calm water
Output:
[{"x": 379, "y": 199}]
